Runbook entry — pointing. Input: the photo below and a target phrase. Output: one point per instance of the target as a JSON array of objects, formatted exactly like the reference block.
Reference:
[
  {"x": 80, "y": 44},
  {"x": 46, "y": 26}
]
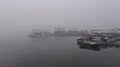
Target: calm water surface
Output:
[{"x": 19, "y": 50}]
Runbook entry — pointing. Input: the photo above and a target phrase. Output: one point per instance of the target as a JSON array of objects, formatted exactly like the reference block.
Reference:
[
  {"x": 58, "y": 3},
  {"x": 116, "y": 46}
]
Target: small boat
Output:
[{"x": 91, "y": 40}]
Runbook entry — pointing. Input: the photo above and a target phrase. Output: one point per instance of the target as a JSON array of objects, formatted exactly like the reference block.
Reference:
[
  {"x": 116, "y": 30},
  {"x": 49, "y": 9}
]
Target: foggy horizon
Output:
[
  {"x": 60, "y": 13},
  {"x": 27, "y": 38}
]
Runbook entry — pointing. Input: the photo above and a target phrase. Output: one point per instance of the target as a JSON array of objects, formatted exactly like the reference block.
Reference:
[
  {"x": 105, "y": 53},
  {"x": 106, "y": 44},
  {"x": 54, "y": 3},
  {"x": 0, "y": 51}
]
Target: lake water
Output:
[{"x": 19, "y": 50}]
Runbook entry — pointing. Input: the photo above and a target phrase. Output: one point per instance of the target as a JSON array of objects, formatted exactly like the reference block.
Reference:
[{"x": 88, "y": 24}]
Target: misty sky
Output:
[{"x": 60, "y": 13}]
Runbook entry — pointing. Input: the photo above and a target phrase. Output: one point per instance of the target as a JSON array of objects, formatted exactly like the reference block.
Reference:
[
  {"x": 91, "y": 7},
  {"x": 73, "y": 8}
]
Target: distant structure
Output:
[
  {"x": 59, "y": 31},
  {"x": 69, "y": 32},
  {"x": 74, "y": 32},
  {"x": 111, "y": 32},
  {"x": 39, "y": 33}
]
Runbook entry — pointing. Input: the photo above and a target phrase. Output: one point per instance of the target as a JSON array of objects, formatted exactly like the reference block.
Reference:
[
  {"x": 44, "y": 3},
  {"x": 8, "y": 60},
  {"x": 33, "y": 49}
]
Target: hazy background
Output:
[
  {"x": 17, "y": 17},
  {"x": 59, "y": 13}
]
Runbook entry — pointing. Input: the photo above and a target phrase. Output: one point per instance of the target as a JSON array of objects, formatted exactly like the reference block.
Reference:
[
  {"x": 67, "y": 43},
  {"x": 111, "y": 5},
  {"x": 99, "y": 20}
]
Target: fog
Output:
[
  {"x": 18, "y": 17},
  {"x": 59, "y": 13}
]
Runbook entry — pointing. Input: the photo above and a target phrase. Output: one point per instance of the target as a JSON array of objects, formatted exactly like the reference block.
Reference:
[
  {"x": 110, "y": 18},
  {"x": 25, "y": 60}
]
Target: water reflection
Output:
[{"x": 98, "y": 47}]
